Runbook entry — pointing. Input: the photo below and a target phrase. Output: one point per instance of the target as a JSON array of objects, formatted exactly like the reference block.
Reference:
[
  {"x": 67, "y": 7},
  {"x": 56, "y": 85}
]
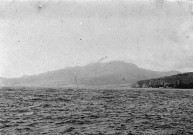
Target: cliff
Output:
[{"x": 184, "y": 81}]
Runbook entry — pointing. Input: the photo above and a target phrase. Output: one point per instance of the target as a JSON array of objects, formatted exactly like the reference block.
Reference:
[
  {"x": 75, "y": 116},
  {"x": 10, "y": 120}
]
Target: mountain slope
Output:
[
  {"x": 100, "y": 73},
  {"x": 184, "y": 80}
]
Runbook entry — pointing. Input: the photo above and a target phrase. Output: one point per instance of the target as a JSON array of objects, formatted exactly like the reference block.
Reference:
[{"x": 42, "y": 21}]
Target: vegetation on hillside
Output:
[{"x": 184, "y": 81}]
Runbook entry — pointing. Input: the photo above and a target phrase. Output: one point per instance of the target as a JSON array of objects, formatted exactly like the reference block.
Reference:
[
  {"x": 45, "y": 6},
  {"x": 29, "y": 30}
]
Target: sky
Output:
[{"x": 40, "y": 36}]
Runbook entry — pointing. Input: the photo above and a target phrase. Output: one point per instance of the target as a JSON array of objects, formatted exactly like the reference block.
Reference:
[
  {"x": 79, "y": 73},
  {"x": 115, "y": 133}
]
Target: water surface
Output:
[{"x": 38, "y": 111}]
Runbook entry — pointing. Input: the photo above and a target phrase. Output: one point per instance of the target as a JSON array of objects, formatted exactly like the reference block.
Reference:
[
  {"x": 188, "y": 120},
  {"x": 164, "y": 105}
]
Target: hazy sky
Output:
[{"x": 39, "y": 36}]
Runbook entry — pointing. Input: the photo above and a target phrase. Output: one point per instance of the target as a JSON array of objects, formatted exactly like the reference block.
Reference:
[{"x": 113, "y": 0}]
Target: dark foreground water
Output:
[{"x": 37, "y": 111}]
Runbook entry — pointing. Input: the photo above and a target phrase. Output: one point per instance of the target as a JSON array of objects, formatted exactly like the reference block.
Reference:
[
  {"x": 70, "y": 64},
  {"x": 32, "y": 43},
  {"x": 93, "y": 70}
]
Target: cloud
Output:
[
  {"x": 96, "y": 8},
  {"x": 55, "y": 34},
  {"x": 185, "y": 63},
  {"x": 102, "y": 59}
]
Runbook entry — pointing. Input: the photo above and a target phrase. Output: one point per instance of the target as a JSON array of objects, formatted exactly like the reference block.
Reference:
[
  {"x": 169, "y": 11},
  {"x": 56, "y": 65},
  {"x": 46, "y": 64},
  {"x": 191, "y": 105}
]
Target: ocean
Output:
[{"x": 59, "y": 111}]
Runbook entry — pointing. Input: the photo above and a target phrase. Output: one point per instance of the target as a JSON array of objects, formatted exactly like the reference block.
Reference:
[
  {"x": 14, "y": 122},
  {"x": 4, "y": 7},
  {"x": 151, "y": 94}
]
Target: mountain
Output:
[
  {"x": 184, "y": 80},
  {"x": 94, "y": 74}
]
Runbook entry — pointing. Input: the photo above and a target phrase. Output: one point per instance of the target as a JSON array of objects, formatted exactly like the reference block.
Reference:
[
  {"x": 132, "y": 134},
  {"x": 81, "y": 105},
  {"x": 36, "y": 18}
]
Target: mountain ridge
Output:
[{"x": 99, "y": 73}]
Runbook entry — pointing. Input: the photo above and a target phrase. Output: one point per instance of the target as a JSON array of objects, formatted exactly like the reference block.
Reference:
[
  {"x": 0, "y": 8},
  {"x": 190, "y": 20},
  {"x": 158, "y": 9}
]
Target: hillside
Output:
[
  {"x": 94, "y": 74},
  {"x": 184, "y": 80}
]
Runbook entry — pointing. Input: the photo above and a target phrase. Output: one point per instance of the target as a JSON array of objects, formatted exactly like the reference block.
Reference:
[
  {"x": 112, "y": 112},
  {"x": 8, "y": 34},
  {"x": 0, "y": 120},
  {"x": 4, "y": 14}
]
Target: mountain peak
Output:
[
  {"x": 120, "y": 62},
  {"x": 98, "y": 73}
]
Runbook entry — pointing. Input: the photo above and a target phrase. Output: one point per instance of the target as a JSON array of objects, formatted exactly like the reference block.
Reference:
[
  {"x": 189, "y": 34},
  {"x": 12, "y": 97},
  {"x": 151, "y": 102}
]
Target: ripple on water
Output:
[{"x": 67, "y": 111}]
